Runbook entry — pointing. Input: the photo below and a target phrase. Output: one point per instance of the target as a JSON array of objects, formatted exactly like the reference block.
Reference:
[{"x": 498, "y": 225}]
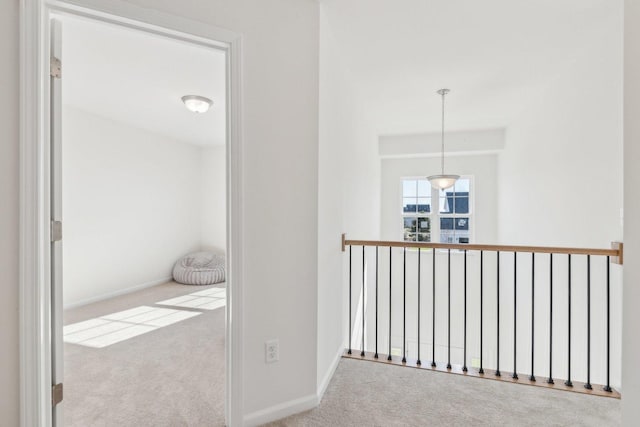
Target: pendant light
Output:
[{"x": 442, "y": 181}]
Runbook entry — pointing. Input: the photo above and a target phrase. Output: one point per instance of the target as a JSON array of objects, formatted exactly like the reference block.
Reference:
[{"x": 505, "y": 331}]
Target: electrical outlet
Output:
[{"x": 271, "y": 351}]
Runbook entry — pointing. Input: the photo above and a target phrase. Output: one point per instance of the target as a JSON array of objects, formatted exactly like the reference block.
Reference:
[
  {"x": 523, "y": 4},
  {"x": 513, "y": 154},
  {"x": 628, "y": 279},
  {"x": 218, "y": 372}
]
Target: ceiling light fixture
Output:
[
  {"x": 197, "y": 104},
  {"x": 442, "y": 181}
]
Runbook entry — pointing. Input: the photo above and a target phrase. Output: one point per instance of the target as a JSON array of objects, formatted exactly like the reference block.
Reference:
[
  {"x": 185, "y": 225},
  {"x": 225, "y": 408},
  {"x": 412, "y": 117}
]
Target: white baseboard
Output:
[
  {"x": 322, "y": 387},
  {"x": 295, "y": 406},
  {"x": 119, "y": 292},
  {"x": 280, "y": 411}
]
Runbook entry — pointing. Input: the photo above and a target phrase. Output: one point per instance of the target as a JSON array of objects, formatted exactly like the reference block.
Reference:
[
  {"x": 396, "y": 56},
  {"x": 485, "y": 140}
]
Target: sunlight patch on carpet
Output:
[
  {"x": 209, "y": 299},
  {"x": 116, "y": 327}
]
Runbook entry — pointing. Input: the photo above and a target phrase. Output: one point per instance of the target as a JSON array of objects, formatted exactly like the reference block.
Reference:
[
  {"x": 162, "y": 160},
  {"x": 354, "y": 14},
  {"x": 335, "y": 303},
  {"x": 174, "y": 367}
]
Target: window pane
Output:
[
  {"x": 410, "y": 229},
  {"x": 424, "y": 205},
  {"x": 462, "y": 203},
  {"x": 461, "y": 186},
  {"x": 410, "y": 223},
  {"x": 424, "y": 188},
  {"x": 447, "y": 232},
  {"x": 409, "y": 205},
  {"x": 424, "y": 225},
  {"x": 409, "y": 188},
  {"x": 462, "y": 230},
  {"x": 409, "y": 237},
  {"x": 424, "y": 237},
  {"x": 446, "y": 223},
  {"x": 462, "y": 223}
]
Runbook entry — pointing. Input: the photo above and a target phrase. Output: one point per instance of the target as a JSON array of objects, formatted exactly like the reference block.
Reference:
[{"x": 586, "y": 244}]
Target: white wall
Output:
[
  {"x": 348, "y": 189},
  {"x": 458, "y": 143},
  {"x": 330, "y": 206},
  {"x": 560, "y": 184},
  {"x": 213, "y": 219},
  {"x": 280, "y": 173},
  {"x": 563, "y": 155},
  {"x": 631, "y": 319},
  {"x": 280, "y": 117},
  {"x": 131, "y": 206},
  {"x": 9, "y": 193}
]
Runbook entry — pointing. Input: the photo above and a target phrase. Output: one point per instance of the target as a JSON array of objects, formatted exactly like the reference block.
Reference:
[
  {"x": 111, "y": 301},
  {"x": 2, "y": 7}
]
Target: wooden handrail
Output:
[{"x": 616, "y": 251}]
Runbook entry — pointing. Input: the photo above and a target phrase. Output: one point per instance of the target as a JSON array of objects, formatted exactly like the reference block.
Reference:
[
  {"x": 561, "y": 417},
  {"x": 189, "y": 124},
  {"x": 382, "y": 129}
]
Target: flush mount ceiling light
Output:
[
  {"x": 443, "y": 180},
  {"x": 197, "y": 104}
]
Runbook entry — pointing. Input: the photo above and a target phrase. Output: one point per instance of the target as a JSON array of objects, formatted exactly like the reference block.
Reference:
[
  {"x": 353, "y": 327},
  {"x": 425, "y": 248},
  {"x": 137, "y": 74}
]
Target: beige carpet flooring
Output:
[
  {"x": 173, "y": 376},
  {"x": 365, "y": 393}
]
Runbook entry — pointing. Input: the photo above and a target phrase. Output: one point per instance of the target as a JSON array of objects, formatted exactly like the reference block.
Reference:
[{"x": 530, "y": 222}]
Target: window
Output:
[
  {"x": 431, "y": 215},
  {"x": 416, "y": 210}
]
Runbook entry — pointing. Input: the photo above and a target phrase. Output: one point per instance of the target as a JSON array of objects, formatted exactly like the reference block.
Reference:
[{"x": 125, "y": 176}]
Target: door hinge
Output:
[
  {"x": 56, "y": 394},
  {"x": 56, "y": 231},
  {"x": 55, "y": 68}
]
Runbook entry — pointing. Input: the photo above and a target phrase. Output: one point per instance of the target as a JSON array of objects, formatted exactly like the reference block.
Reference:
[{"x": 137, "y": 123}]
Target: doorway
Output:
[
  {"x": 143, "y": 194},
  {"x": 41, "y": 300}
]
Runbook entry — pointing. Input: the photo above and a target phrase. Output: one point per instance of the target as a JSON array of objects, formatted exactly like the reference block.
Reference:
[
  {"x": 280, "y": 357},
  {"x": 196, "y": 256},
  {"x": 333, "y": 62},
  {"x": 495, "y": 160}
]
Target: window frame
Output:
[{"x": 435, "y": 215}]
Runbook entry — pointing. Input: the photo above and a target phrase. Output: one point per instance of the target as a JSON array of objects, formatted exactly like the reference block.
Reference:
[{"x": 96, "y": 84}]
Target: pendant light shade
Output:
[{"x": 442, "y": 181}]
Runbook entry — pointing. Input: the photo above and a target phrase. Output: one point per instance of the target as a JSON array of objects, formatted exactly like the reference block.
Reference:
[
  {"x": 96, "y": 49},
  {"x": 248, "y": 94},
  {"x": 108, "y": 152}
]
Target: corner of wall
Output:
[{"x": 328, "y": 375}]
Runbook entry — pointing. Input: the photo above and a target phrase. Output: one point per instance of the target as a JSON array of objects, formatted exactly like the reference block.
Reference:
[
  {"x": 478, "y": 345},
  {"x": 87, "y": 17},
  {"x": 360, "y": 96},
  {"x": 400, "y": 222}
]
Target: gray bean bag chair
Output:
[{"x": 199, "y": 268}]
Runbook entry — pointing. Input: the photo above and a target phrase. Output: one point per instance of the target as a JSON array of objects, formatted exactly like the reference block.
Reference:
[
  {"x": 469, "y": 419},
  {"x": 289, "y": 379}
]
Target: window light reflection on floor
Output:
[
  {"x": 209, "y": 299},
  {"x": 116, "y": 327},
  {"x": 113, "y": 328}
]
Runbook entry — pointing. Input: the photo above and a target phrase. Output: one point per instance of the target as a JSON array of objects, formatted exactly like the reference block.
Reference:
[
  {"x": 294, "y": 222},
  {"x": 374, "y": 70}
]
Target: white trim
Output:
[
  {"x": 322, "y": 387},
  {"x": 35, "y": 298},
  {"x": 234, "y": 396},
  {"x": 117, "y": 293},
  {"x": 295, "y": 406},
  {"x": 449, "y": 154},
  {"x": 35, "y": 364},
  {"x": 281, "y": 410}
]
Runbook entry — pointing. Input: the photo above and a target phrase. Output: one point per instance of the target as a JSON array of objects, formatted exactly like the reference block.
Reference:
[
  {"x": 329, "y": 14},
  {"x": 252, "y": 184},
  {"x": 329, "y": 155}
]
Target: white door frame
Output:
[{"x": 35, "y": 266}]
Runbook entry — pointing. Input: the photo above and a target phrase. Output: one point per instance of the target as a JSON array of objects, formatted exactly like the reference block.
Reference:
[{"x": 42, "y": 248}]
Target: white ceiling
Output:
[
  {"x": 138, "y": 79},
  {"x": 493, "y": 54}
]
